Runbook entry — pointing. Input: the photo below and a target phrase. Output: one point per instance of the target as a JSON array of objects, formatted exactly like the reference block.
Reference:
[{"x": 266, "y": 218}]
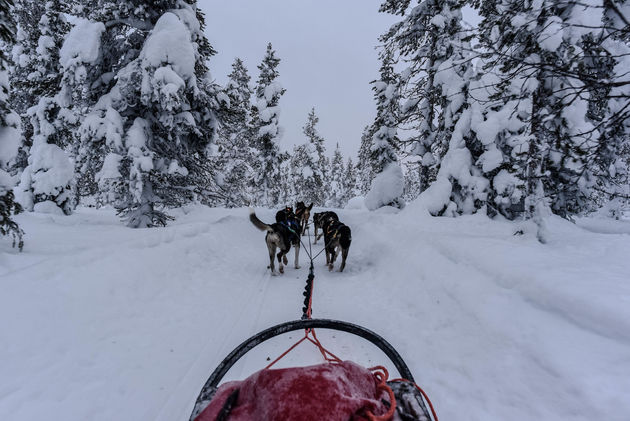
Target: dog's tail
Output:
[
  {"x": 345, "y": 236},
  {"x": 258, "y": 223}
]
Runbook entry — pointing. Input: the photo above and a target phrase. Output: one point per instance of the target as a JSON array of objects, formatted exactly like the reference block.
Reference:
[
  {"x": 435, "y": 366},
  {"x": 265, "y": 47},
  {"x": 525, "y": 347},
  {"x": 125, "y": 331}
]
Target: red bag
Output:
[{"x": 330, "y": 391}]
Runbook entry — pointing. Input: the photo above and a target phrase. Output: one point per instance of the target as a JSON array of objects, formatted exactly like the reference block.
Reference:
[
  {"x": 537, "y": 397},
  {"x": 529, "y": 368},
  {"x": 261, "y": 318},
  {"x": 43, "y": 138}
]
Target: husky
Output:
[
  {"x": 337, "y": 236},
  {"x": 303, "y": 214},
  {"x": 282, "y": 234},
  {"x": 320, "y": 219}
]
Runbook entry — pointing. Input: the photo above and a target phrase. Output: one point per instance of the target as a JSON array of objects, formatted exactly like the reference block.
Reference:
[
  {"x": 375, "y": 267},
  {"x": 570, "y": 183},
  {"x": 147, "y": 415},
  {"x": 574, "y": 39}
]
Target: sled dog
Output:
[
  {"x": 303, "y": 214},
  {"x": 337, "y": 236},
  {"x": 320, "y": 219},
  {"x": 282, "y": 234}
]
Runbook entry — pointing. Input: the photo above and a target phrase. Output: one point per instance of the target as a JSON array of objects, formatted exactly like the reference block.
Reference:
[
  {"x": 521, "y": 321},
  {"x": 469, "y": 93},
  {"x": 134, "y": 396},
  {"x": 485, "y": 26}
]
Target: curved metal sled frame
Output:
[{"x": 212, "y": 383}]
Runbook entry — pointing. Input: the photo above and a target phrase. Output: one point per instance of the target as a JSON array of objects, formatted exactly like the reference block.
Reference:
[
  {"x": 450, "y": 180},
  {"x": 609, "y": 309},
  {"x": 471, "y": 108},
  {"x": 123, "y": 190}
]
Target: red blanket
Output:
[{"x": 320, "y": 392}]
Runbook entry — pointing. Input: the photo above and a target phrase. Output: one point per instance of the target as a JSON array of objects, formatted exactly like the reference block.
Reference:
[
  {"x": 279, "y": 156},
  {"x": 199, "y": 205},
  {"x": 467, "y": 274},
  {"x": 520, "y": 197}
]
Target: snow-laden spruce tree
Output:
[
  {"x": 336, "y": 187},
  {"x": 387, "y": 185},
  {"x": 349, "y": 183},
  {"x": 235, "y": 157},
  {"x": 544, "y": 118},
  {"x": 608, "y": 59},
  {"x": 321, "y": 172},
  {"x": 365, "y": 167},
  {"x": 421, "y": 39},
  {"x": 36, "y": 72},
  {"x": 304, "y": 180},
  {"x": 462, "y": 161},
  {"x": 266, "y": 131},
  {"x": 46, "y": 184},
  {"x": 155, "y": 124},
  {"x": 431, "y": 41},
  {"x": 9, "y": 135}
]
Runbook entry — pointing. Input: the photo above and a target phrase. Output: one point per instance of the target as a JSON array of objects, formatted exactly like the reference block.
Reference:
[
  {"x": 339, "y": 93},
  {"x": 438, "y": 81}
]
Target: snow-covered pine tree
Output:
[
  {"x": 419, "y": 39},
  {"x": 543, "y": 92},
  {"x": 234, "y": 155},
  {"x": 304, "y": 181},
  {"x": 288, "y": 194},
  {"x": 46, "y": 183},
  {"x": 411, "y": 189},
  {"x": 336, "y": 182},
  {"x": 365, "y": 169},
  {"x": 321, "y": 172},
  {"x": 9, "y": 135},
  {"x": 266, "y": 131},
  {"x": 387, "y": 186},
  {"x": 462, "y": 161},
  {"x": 349, "y": 183},
  {"x": 607, "y": 59},
  {"x": 157, "y": 120},
  {"x": 36, "y": 70}
]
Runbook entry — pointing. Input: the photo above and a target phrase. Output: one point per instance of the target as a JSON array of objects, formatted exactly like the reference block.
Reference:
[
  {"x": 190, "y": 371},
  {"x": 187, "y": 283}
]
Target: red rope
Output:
[{"x": 285, "y": 352}]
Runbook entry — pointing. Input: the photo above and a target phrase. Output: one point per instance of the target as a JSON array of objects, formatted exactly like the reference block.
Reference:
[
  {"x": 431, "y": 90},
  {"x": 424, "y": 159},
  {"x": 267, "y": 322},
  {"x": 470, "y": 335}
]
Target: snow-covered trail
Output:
[{"x": 102, "y": 322}]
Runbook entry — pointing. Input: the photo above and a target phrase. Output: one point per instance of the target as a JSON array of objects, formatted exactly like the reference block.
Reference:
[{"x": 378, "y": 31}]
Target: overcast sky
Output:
[{"x": 327, "y": 52}]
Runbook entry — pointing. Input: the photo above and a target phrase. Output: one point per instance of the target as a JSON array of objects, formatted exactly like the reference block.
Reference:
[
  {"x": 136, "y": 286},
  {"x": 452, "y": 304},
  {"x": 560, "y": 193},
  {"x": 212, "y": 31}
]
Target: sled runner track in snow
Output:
[{"x": 225, "y": 327}]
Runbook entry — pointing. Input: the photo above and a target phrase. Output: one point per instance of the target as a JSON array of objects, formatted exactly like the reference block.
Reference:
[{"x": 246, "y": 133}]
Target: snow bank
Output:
[
  {"x": 357, "y": 203},
  {"x": 387, "y": 187}
]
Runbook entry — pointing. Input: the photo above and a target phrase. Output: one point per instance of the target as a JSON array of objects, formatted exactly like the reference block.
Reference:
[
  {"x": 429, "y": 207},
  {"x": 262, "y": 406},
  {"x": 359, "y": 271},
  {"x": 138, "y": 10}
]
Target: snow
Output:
[
  {"x": 550, "y": 37},
  {"x": 357, "y": 203},
  {"x": 387, "y": 187},
  {"x": 82, "y": 46},
  {"x": 109, "y": 170},
  {"x": 51, "y": 169},
  {"x": 169, "y": 44},
  {"x": 48, "y": 207},
  {"x": 104, "y": 322},
  {"x": 9, "y": 143}
]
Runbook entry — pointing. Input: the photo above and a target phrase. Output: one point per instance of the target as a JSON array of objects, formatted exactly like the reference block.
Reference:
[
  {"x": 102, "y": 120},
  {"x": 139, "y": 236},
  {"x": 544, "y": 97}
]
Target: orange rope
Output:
[
  {"x": 381, "y": 375},
  {"x": 286, "y": 352}
]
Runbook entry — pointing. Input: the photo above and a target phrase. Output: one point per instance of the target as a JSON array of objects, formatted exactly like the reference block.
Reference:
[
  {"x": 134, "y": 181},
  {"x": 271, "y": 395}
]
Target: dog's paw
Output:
[
  {"x": 298, "y": 266},
  {"x": 281, "y": 269},
  {"x": 330, "y": 268}
]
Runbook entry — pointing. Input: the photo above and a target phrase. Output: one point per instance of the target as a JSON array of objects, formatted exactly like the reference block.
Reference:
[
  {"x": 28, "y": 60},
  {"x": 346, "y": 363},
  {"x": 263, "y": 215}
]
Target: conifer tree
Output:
[
  {"x": 319, "y": 191},
  {"x": 266, "y": 130},
  {"x": 365, "y": 169},
  {"x": 235, "y": 156},
  {"x": 149, "y": 134},
  {"x": 349, "y": 183},
  {"x": 305, "y": 183},
  {"x": 47, "y": 181},
  {"x": 421, "y": 39},
  {"x": 548, "y": 64},
  {"x": 336, "y": 183},
  {"x": 9, "y": 135},
  {"x": 387, "y": 186},
  {"x": 36, "y": 72}
]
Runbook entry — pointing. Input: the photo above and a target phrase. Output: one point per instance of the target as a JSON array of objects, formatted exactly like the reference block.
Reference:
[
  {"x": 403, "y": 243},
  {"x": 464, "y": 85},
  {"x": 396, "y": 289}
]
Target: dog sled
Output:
[{"x": 333, "y": 390}]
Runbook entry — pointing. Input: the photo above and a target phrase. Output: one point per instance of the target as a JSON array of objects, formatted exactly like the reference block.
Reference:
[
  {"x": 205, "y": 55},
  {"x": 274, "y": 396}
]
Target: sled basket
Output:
[{"x": 312, "y": 391}]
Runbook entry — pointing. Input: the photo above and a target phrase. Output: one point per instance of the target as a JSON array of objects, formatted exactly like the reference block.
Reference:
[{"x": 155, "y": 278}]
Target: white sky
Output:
[{"x": 327, "y": 52}]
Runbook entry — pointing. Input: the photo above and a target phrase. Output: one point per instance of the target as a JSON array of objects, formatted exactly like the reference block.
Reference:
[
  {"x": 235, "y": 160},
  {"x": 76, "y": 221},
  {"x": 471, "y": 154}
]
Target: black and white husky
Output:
[
  {"x": 322, "y": 218},
  {"x": 337, "y": 237},
  {"x": 282, "y": 234}
]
